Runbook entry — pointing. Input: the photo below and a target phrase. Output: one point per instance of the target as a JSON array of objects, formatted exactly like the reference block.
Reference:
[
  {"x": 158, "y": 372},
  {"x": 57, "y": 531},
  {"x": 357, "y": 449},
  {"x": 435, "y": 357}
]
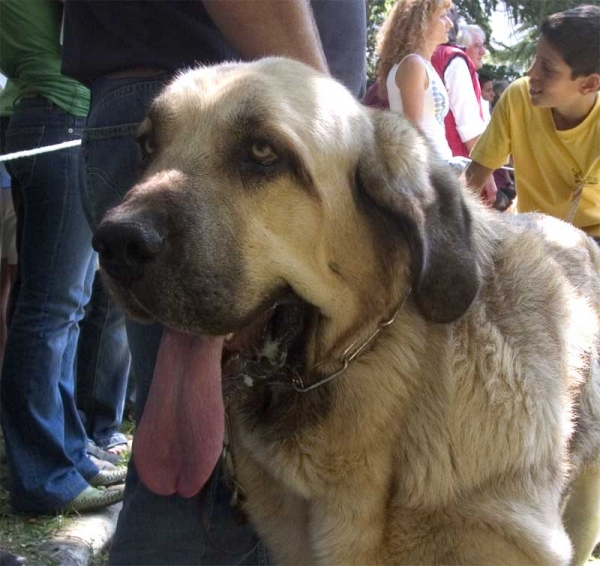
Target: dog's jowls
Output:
[{"x": 277, "y": 225}]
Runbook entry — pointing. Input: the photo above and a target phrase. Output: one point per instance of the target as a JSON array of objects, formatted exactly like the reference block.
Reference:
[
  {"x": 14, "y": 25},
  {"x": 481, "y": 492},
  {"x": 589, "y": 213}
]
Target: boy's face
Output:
[
  {"x": 487, "y": 91},
  {"x": 550, "y": 82}
]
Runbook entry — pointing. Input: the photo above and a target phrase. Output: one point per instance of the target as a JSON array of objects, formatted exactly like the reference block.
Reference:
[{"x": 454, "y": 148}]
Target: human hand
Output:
[{"x": 489, "y": 192}]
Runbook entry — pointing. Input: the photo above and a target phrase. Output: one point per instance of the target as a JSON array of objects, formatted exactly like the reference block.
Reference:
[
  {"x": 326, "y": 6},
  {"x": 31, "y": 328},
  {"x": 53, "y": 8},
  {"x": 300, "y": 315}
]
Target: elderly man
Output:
[{"x": 458, "y": 69}]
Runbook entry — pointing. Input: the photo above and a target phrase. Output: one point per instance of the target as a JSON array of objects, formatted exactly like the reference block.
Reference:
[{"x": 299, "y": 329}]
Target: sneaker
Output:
[
  {"x": 92, "y": 498},
  {"x": 108, "y": 477}
]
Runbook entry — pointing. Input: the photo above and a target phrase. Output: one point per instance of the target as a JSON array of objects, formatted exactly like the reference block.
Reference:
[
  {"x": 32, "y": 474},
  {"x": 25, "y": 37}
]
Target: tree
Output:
[
  {"x": 531, "y": 12},
  {"x": 498, "y": 72},
  {"x": 528, "y": 14},
  {"x": 377, "y": 11}
]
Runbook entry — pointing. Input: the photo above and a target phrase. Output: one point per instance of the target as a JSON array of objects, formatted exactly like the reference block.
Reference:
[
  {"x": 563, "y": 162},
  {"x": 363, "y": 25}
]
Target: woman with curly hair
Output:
[{"x": 407, "y": 40}]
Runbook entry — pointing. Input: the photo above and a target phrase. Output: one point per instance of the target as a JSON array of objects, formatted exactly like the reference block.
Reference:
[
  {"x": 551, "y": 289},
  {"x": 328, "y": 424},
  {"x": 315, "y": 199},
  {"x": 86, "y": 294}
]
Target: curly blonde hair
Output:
[{"x": 402, "y": 33}]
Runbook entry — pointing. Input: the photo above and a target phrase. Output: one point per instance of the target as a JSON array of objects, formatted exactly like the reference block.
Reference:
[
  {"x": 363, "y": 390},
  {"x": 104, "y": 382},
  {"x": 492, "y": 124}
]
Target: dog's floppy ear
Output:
[{"x": 398, "y": 170}]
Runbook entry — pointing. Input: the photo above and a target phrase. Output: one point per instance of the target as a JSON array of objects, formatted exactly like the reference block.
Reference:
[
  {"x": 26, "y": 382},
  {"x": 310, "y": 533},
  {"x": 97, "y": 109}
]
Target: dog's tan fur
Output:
[{"x": 466, "y": 426}]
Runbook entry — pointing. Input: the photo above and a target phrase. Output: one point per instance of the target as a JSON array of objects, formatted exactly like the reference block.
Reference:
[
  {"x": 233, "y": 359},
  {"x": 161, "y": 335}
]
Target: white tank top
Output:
[{"x": 435, "y": 106}]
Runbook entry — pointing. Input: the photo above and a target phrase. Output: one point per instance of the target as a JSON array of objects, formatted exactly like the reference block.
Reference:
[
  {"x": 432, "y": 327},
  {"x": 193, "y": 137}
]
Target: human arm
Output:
[
  {"x": 481, "y": 180},
  {"x": 470, "y": 144},
  {"x": 463, "y": 102},
  {"x": 411, "y": 80},
  {"x": 492, "y": 150},
  {"x": 269, "y": 27}
]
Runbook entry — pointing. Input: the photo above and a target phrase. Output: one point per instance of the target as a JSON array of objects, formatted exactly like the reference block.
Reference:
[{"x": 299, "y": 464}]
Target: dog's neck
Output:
[
  {"x": 324, "y": 371},
  {"x": 353, "y": 324}
]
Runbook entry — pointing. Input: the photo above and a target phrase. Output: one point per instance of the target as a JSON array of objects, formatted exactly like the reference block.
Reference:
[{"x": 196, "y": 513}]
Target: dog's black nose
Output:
[{"x": 125, "y": 247}]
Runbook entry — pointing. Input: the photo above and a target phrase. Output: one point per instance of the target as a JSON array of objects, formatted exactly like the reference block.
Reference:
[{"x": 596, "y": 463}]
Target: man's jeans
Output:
[
  {"x": 152, "y": 529},
  {"x": 45, "y": 440},
  {"x": 102, "y": 368}
]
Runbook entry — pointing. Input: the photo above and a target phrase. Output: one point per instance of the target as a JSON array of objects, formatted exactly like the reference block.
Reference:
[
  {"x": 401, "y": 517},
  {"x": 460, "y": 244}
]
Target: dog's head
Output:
[
  {"x": 271, "y": 199},
  {"x": 257, "y": 179}
]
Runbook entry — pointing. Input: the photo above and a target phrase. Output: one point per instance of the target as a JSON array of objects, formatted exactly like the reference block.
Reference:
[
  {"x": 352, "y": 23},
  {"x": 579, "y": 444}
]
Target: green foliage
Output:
[
  {"x": 529, "y": 14},
  {"x": 500, "y": 72},
  {"x": 520, "y": 55},
  {"x": 377, "y": 10},
  {"x": 477, "y": 12}
]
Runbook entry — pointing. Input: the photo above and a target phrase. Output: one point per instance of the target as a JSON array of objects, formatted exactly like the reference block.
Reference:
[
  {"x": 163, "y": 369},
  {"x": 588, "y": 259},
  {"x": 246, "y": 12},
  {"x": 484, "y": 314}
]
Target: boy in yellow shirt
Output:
[{"x": 550, "y": 122}]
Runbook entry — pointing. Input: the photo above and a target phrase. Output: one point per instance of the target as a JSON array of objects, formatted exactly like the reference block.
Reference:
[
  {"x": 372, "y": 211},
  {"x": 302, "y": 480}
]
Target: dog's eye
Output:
[
  {"x": 147, "y": 145},
  {"x": 263, "y": 154}
]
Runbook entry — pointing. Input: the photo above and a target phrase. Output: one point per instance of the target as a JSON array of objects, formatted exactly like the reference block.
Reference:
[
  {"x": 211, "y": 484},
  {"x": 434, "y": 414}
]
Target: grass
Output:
[
  {"x": 102, "y": 559},
  {"x": 29, "y": 535},
  {"x": 26, "y": 535}
]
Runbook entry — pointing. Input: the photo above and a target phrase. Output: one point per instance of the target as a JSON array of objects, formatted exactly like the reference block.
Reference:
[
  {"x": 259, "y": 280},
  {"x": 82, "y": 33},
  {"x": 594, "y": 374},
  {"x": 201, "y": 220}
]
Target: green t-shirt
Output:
[{"x": 30, "y": 55}]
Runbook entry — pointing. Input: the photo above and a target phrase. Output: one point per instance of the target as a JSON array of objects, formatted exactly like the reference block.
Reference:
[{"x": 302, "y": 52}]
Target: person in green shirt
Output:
[{"x": 44, "y": 436}]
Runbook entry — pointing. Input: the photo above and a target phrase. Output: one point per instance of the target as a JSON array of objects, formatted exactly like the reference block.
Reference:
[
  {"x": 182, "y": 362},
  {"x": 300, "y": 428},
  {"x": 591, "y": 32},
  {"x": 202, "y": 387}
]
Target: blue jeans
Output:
[
  {"x": 45, "y": 439},
  {"x": 152, "y": 529},
  {"x": 102, "y": 368}
]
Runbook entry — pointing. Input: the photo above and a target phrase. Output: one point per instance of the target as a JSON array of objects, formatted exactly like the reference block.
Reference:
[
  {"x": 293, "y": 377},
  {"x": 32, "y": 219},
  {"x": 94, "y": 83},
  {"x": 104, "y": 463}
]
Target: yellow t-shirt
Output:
[{"x": 549, "y": 164}]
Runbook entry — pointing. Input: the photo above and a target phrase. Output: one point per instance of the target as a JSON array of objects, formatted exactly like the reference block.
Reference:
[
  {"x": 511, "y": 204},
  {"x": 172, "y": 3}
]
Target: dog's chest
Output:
[{"x": 275, "y": 413}]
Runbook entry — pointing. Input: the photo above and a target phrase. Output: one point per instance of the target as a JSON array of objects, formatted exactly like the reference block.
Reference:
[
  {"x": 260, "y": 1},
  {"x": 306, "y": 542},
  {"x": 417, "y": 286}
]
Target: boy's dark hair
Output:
[
  {"x": 484, "y": 78},
  {"x": 575, "y": 34}
]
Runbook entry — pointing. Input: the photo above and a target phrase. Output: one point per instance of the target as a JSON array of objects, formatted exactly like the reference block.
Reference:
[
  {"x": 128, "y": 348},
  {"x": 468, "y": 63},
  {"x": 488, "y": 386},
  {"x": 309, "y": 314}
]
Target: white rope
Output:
[
  {"x": 36, "y": 151},
  {"x": 463, "y": 162}
]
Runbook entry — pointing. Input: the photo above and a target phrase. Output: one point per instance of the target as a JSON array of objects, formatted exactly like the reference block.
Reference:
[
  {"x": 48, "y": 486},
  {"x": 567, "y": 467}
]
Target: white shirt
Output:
[
  {"x": 463, "y": 101},
  {"x": 485, "y": 107},
  {"x": 435, "y": 106}
]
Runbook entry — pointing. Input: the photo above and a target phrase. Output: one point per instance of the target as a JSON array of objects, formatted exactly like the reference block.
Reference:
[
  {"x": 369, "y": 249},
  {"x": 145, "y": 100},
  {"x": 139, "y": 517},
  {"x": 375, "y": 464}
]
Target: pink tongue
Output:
[{"x": 180, "y": 436}]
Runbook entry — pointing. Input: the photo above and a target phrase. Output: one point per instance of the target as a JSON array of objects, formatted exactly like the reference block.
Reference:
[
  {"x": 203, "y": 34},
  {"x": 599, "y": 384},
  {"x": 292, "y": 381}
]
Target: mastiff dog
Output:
[{"x": 406, "y": 376}]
